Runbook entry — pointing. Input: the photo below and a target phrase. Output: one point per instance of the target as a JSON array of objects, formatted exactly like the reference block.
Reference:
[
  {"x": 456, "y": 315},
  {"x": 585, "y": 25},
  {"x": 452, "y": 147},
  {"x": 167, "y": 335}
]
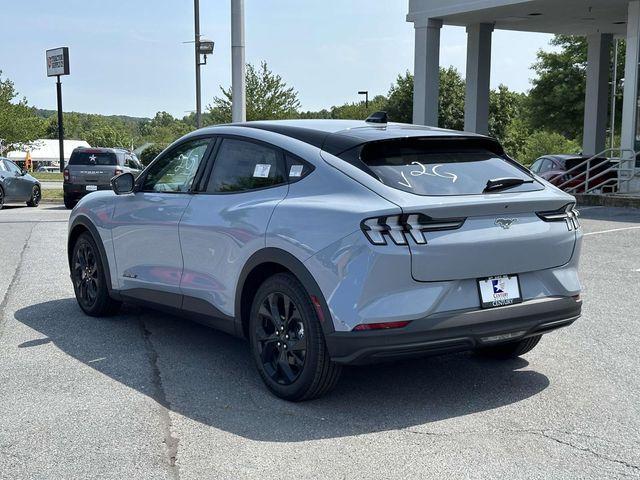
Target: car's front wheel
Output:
[
  {"x": 69, "y": 202},
  {"x": 287, "y": 341},
  {"x": 36, "y": 196},
  {"x": 89, "y": 279},
  {"x": 510, "y": 349}
]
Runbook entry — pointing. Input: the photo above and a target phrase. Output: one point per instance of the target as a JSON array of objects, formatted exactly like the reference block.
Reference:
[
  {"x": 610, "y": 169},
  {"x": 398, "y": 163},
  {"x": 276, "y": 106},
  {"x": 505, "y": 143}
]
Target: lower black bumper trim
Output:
[{"x": 454, "y": 331}]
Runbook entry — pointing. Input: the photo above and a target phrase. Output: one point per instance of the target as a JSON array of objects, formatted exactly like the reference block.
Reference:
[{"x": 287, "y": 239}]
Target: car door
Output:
[
  {"x": 145, "y": 232},
  {"x": 16, "y": 186},
  {"x": 226, "y": 222}
]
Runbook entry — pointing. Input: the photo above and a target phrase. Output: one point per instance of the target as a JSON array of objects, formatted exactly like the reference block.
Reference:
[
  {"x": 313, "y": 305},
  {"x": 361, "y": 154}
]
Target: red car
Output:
[{"x": 554, "y": 168}]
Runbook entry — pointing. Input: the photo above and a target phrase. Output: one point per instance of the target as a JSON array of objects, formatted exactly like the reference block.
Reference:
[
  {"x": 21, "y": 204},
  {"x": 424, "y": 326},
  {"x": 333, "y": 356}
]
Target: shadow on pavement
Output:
[{"x": 208, "y": 376}]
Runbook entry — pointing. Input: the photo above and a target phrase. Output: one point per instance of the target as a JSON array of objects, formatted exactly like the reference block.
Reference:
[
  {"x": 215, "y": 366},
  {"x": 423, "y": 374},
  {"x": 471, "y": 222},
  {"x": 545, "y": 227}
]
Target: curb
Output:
[{"x": 608, "y": 200}]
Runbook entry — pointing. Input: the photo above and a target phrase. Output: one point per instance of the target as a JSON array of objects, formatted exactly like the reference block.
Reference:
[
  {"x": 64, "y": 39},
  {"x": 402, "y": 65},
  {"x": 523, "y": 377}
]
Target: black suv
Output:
[{"x": 91, "y": 169}]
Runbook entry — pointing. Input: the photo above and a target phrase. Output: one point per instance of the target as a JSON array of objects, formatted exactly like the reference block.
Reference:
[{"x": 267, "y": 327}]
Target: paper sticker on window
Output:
[
  {"x": 261, "y": 170},
  {"x": 296, "y": 170}
]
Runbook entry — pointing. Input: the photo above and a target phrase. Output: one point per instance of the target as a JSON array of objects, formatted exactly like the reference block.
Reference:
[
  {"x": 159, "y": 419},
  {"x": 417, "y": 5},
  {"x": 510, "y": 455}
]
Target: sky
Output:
[{"x": 128, "y": 57}]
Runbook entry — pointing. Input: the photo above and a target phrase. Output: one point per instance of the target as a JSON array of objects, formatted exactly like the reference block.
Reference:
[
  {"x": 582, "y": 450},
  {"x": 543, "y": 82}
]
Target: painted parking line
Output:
[{"x": 612, "y": 230}]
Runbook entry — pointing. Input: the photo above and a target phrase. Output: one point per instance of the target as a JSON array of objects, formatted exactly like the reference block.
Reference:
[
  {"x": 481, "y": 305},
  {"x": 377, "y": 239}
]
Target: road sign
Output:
[{"x": 58, "y": 61}]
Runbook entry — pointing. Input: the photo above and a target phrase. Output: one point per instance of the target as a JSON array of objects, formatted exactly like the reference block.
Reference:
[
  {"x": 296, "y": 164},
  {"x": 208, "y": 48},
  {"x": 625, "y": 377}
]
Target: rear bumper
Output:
[
  {"x": 455, "y": 331},
  {"x": 78, "y": 191}
]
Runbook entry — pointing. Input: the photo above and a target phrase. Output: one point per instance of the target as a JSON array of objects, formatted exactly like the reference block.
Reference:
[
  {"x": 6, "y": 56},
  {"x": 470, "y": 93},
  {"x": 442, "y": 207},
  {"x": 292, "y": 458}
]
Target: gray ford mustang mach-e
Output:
[{"x": 327, "y": 243}]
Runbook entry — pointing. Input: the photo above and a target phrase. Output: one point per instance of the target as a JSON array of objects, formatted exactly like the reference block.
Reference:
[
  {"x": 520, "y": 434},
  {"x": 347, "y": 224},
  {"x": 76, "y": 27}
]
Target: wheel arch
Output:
[
  {"x": 262, "y": 265},
  {"x": 80, "y": 225}
]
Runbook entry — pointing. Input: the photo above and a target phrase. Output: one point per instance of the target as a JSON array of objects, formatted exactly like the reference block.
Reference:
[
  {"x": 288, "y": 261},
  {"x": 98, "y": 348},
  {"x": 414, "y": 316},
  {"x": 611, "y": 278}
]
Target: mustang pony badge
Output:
[{"x": 506, "y": 223}]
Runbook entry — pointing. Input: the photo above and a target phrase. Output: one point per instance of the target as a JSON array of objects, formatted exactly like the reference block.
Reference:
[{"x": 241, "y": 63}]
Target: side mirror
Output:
[
  {"x": 23, "y": 172},
  {"x": 123, "y": 184}
]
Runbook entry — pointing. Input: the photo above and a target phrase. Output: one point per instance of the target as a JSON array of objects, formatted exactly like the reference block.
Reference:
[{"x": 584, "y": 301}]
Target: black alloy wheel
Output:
[
  {"x": 287, "y": 341},
  {"x": 282, "y": 343},
  {"x": 36, "y": 196},
  {"x": 85, "y": 274},
  {"x": 89, "y": 280}
]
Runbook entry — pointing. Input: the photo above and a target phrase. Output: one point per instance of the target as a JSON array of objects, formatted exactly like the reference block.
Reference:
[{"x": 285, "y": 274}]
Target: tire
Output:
[
  {"x": 69, "y": 202},
  {"x": 1, "y": 198},
  {"x": 88, "y": 277},
  {"x": 510, "y": 349},
  {"x": 290, "y": 353},
  {"x": 36, "y": 196}
]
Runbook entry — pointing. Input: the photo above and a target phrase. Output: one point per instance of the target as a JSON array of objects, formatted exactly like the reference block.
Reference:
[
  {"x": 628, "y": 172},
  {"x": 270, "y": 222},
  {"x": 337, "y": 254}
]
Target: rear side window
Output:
[
  {"x": 241, "y": 166},
  {"x": 296, "y": 167},
  {"x": 431, "y": 167},
  {"x": 93, "y": 158}
]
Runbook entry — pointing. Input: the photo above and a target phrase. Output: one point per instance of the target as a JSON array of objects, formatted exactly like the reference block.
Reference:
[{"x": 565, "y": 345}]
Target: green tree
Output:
[
  {"x": 556, "y": 100},
  {"x": 451, "y": 100},
  {"x": 358, "y": 110},
  {"x": 399, "y": 105},
  {"x": 505, "y": 107},
  {"x": 268, "y": 97},
  {"x": 163, "y": 129},
  {"x": 542, "y": 143},
  {"x": 19, "y": 123}
]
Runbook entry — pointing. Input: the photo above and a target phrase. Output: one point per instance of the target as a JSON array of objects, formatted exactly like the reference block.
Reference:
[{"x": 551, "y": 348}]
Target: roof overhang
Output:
[{"x": 571, "y": 17}]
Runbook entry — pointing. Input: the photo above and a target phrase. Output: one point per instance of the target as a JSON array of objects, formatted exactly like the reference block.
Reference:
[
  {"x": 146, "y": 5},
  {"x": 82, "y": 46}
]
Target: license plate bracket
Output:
[{"x": 499, "y": 291}]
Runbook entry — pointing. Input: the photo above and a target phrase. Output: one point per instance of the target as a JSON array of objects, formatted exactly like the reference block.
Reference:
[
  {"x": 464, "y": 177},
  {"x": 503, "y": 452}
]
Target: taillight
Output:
[
  {"x": 118, "y": 171},
  {"x": 567, "y": 214},
  {"x": 65, "y": 175},
  {"x": 380, "y": 326},
  {"x": 400, "y": 227}
]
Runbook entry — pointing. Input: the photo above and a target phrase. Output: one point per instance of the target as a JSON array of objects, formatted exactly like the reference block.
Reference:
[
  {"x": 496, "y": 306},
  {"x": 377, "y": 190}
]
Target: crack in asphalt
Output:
[
  {"x": 541, "y": 433},
  {"x": 170, "y": 441},
  {"x": 14, "y": 280}
]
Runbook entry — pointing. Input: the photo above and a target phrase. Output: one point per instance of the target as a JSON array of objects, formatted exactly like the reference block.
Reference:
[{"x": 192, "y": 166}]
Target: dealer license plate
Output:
[
  {"x": 91, "y": 188},
  {"x": 499, "y": 291}
]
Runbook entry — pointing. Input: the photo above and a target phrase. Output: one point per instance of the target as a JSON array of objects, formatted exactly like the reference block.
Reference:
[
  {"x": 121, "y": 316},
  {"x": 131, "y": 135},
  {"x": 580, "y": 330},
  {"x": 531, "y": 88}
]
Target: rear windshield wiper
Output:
[{"x": 504, "y": 184}]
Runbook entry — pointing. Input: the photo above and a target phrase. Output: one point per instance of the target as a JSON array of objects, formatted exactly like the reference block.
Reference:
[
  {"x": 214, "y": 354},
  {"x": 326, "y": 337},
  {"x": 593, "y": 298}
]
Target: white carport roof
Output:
[
  {"x": 47, "y": 150},
  {"x": 573, "y": 17}
]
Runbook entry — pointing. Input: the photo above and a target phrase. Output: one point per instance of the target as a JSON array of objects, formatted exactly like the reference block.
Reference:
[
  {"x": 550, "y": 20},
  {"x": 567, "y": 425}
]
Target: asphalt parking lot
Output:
[{"x": 145, "y": 395}]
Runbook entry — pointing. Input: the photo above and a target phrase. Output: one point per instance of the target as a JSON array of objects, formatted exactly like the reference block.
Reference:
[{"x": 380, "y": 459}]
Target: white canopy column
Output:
[
  {"x": 476, "y": 107},
  {"x": 597, "y": 99},
  {"x": 426, "y": 86}
]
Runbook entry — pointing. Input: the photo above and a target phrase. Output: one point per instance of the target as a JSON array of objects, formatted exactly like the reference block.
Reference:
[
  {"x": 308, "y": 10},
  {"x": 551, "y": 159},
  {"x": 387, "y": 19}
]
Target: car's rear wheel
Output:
[
  {"x": 69, "y": 202},
  {"x": 36, "y": 196},
  {"x": 510, "y": 349},
  {"x": 287, "y": 341},
  {"x": 1, "y": 198},
  {"x": 89, "y": 280}
]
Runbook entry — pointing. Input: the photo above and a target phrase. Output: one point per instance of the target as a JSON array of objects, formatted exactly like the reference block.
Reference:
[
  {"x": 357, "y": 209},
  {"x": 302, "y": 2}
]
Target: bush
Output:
[
  {"x": 150, "y": 153},
  {"x": 541, "y": 143}
]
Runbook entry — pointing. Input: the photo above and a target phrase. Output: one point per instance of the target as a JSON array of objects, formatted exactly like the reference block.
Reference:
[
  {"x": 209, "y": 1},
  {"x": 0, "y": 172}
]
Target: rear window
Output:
[
  {"x": 431, "y": 167},
  {"x": 93, "y": 158}
]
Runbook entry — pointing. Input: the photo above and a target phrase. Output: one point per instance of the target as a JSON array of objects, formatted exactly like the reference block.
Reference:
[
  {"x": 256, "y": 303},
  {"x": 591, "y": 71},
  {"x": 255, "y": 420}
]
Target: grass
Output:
[
  {"x": 55, "y": 194},
  {"x": 47, "y": 176}
]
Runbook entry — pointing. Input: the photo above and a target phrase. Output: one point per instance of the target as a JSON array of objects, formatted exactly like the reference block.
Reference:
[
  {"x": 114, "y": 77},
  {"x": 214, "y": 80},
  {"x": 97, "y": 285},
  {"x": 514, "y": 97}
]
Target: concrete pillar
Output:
[
  {"x": 426, "y": 81},
  {"x": 476, "y": 106},
  {"x": 596, "y": 103},
  {"x": 630, "y": 100}
]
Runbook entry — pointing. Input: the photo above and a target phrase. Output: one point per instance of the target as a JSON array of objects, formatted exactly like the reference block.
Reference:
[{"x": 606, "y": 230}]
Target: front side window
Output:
[
  {"x": 12, "y": 167},
  {"x": 241, "y": 166},
  {"x": 176, "y": 171},
  {"x": 432, "y": 167}
]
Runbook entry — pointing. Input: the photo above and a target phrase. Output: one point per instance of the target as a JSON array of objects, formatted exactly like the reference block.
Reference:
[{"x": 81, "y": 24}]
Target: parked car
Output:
[
  {"x": 91, "y": 169},
  {"x": 16, "y": 185},
  {"x": 554, "y": 168},
  {"x": 47, "y": 169},
  {"x": 329, "y": 242}
]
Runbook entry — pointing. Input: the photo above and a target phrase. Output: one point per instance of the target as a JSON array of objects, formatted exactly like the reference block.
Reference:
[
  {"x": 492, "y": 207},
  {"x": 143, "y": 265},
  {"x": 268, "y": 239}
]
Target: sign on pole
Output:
[
  {"x": 58, "y": 64},
  {"x": 58, "y": 61}
]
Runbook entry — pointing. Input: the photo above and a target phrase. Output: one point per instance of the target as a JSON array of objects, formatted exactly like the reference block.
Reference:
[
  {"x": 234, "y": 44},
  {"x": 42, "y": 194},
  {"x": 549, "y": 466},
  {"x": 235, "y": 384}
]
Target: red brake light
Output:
[
  {"x": 118, "y": 171},
  {"x": 381, "y": 326},
  {"x": 65, "y": 175}
]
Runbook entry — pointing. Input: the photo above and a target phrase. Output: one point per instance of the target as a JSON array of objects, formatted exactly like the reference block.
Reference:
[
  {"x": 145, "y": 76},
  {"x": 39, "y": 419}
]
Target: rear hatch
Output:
[
  {"x": 480, "y": 213},
  {"x": 92, "y": 167}
]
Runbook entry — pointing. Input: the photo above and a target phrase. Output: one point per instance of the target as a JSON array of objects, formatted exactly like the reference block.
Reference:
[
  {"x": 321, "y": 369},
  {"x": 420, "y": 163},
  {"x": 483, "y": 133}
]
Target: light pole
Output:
[
  {"x": 238, "y": 85},
  {"x": 366, "y": 97},
  {"x": 201, "y": 47}
]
